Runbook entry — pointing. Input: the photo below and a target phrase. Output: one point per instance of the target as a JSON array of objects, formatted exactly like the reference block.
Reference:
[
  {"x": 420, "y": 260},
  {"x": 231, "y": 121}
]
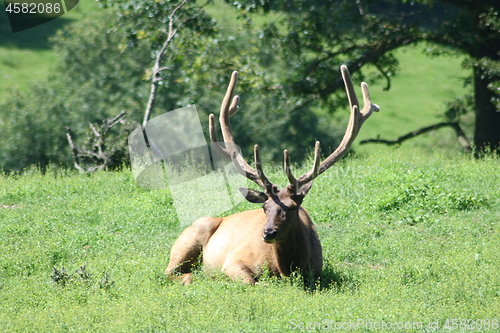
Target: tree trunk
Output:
[{"x": 487, "y": 130}]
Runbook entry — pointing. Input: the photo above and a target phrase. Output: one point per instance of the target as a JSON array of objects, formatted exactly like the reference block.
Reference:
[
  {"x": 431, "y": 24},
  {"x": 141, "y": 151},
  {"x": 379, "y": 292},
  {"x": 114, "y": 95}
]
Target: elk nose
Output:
[{"x": 270, "y": 234}]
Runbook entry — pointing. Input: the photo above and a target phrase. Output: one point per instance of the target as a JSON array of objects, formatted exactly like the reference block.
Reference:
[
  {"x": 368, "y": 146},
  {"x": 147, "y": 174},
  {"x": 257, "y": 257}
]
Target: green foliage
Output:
[
  {"x": 32, "y": 128},
  {"x": 429, "y": 198},
  {"x": 150, "y": 19},
  {"x": 490, "y": 71},
  {"x": 288, "y": 60},
  {"x": 406, "y": 237},
  {"x": 459, "y": 107},
  {"x": 104, "y": 69},
  {"x": 87, "y": 86},
  {"x": 317, "y": 36},
  {"x": 200, "y": 61},
  {"x": 101, "y": 73}
]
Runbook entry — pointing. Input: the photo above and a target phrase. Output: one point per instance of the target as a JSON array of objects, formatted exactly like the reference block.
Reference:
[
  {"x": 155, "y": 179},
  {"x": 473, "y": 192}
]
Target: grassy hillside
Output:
[
  {"x": 417, "y": 99},
  {"x": 27, "y": 55},
  {"x": 406, "y": 238}
]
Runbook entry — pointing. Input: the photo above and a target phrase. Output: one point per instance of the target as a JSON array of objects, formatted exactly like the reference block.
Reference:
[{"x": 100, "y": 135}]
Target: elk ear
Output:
[{"x": 253, "y": 196}]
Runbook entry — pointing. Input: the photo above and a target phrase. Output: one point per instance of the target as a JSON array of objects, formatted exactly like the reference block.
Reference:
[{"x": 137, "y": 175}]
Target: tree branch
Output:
[
  {"x": 455, "y": 125},
  {"x": 156, "y": 68},
  {"x": 116, "y": 120},
  {"x": 370, "y": 56},
  {"x": 74, "y": 151},
  {"x": 86, "y": 159},
  {"x": 387, "y": 77}
]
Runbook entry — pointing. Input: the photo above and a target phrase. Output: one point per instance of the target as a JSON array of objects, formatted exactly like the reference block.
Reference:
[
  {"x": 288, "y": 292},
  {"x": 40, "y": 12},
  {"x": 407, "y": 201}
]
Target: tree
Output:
[
  {"x": 316, "y": 36},
  {"x": 200, "y": 61},
  {"x": 86, "y": 87},
  {"x": 105, "y": 66}
]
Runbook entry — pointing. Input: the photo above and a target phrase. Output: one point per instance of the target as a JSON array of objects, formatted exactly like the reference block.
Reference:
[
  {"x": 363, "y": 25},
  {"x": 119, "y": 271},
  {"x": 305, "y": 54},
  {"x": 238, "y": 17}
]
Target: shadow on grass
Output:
[
  {"x": 330, "y": 279},
  {"x": 341, "y": 281},
  {"x": 34, "y": 38}
]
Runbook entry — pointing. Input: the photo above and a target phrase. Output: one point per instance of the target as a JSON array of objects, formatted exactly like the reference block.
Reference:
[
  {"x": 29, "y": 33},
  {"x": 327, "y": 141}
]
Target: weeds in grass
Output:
[
  {"x": 84, "y": 275},
  {"x": 432, "y": 198},
  {"x": 105, "y": 282},
  {"x": 62, "y": 278}
]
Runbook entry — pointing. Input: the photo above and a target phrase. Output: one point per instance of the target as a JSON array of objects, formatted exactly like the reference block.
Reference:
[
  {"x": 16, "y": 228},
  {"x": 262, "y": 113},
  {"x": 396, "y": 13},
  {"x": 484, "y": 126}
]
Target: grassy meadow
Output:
[
  {"x": 407, "y": 238},
  {"x": 410, "y": 235},
  {"x": 417, "y": 98}
]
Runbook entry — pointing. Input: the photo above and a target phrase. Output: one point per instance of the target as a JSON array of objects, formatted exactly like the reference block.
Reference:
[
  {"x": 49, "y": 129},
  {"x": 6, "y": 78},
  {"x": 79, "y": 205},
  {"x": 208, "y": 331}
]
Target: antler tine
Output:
[
  {"x": 269, "y": 187},
  {"x": 294, "y": 184},
  {"x": 315, "y": 169},
  {"x": 234, "y": 106},
  {"x": 356, "y": 120},
  {"x": 349, "y": 87},
  {"x": 288, "y": 171},
  {"x": 213, "y": 134},
  {"x": 369, "y": 107},
  {"x": 224, "y": 108}
]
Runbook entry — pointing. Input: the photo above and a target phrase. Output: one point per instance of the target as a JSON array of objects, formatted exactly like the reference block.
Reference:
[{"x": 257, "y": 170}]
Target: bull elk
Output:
[{"x": 281, "y": 235}]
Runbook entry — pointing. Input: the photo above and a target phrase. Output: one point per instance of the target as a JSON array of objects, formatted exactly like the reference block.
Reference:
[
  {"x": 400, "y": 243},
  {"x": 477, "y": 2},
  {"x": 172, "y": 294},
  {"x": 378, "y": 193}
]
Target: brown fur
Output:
[{"x": 235, "y": 246}]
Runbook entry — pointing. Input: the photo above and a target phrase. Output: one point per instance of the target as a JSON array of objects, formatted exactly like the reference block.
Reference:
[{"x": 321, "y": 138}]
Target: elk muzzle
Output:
[
  {"x": 271, "y": 230},
  {"x": 269, "y": 235}
]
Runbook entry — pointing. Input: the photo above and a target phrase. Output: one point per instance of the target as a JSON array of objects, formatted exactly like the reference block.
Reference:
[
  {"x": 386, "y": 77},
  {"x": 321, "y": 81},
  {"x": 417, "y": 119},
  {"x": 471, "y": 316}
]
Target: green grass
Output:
[{"x": 407, "y": 237}]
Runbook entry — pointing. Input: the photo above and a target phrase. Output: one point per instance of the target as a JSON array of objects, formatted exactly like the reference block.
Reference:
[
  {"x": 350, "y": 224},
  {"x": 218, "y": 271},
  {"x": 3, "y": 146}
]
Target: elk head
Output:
[{"x": 283, "y": 206}]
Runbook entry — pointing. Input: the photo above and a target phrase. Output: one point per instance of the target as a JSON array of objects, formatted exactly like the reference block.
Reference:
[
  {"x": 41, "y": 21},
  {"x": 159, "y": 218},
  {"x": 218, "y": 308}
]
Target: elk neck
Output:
[{"x": 294, "y": 248}]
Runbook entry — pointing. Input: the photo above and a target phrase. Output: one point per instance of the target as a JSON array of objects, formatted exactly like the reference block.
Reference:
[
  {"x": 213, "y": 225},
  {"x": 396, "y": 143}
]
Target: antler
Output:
[
  {"x": 231, "y": 151},
  {"x": 356, "y": 120}
]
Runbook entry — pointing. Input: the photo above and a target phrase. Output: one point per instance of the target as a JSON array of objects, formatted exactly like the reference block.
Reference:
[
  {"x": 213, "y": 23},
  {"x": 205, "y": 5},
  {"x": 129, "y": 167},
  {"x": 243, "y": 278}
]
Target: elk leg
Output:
[
  {"x": 187, "y": 248},
  {"x": 238, "y": 271}
]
